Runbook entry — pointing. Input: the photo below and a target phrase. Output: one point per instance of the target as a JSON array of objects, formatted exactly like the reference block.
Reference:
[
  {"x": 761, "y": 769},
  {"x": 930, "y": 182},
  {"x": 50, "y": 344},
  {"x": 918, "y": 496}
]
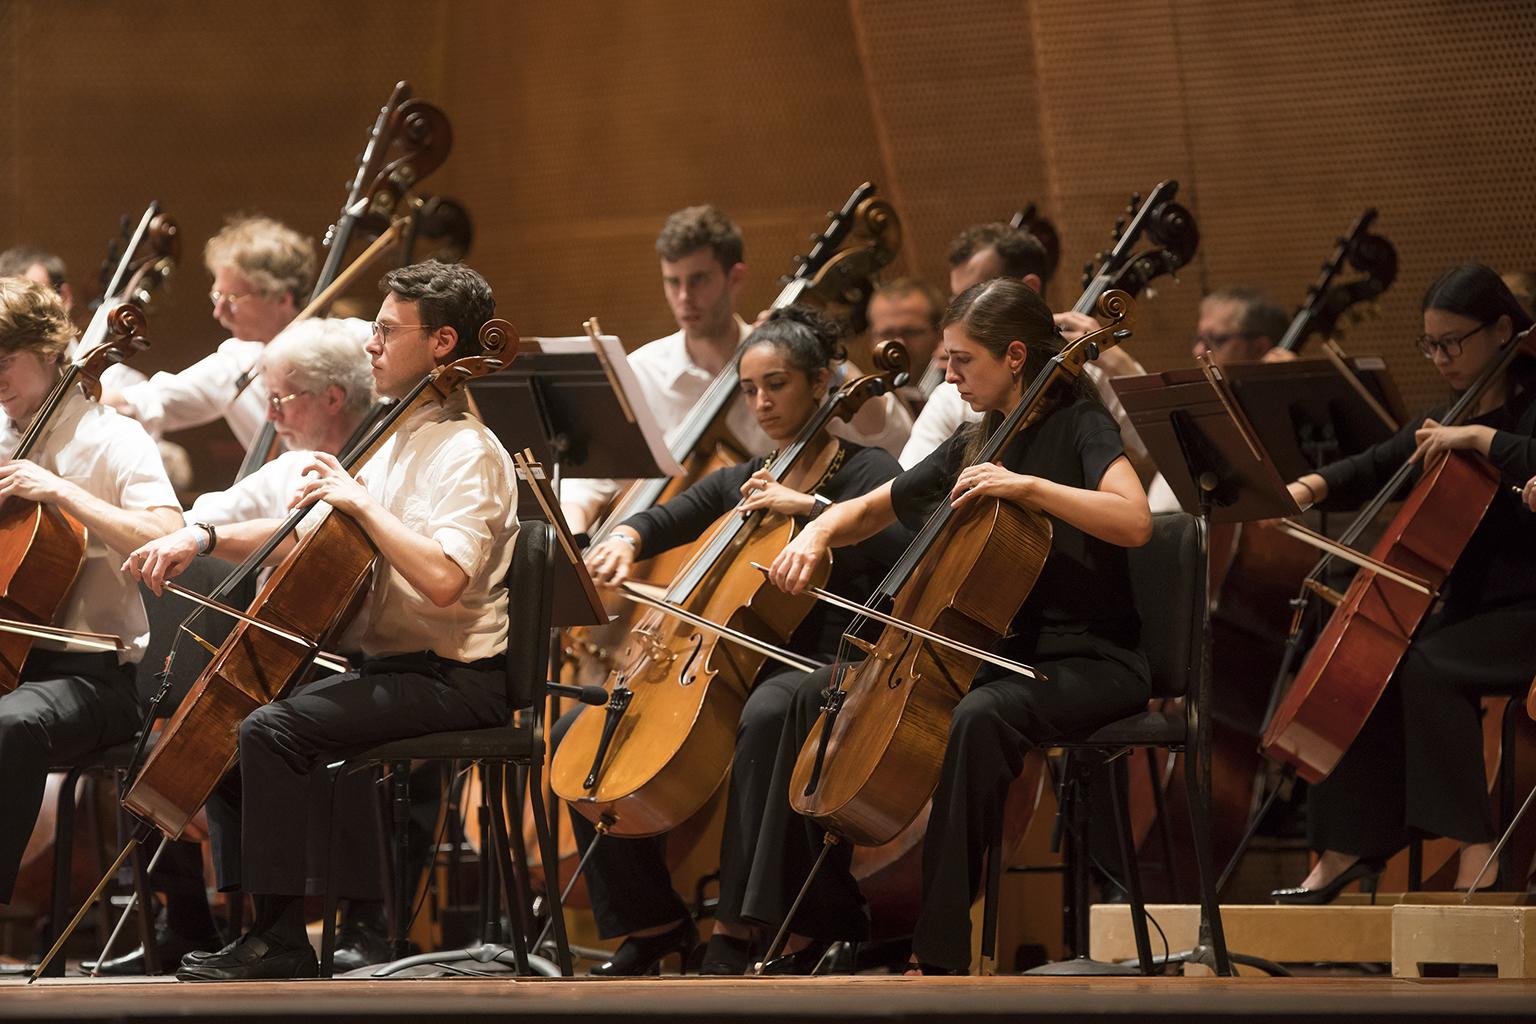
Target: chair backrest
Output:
[
  {"x": 530, "y": 597},
  {"x": 1168, "y": 583}
]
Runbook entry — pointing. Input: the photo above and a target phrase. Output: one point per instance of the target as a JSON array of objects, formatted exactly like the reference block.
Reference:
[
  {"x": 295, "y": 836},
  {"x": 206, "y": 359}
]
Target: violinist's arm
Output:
[
  {"x": 1116, "y": 512},
  {"x": 117, "y": 528},
  {"x": 845, "y": 523}
]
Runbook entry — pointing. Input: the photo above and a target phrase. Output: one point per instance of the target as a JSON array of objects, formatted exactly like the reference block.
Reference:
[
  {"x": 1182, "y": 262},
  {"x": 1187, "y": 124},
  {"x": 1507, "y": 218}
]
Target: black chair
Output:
[
  {"x": 1168, "y": 580},
  {"x": 520, "y": 744}
]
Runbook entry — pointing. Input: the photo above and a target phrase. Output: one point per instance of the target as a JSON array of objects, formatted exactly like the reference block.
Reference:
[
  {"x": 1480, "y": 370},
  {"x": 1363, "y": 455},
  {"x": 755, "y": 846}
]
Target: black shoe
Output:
[
  {"x": 643, "y": 955},
  {"x": 171, "y": 947},
  {"x": 804, "y": 960},
  {"x": 726, "y": 956},
  {"x": 201, "y": 956},
  {"x": 360, "y": 944},
  {"x": 253, "y": 957},
  {"x": 1360, "y": 870}
]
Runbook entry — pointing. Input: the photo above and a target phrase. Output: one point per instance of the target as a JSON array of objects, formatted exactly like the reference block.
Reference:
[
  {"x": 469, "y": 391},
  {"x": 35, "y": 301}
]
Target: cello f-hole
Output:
[{"x": 683, "y": 676}]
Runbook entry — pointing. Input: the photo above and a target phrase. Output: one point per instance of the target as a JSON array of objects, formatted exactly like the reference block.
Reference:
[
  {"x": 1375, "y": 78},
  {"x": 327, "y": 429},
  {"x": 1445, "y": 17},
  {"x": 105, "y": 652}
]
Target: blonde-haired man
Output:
[
  {"x": 262, "y": 270},
  {"x": 104, "y": 471}
]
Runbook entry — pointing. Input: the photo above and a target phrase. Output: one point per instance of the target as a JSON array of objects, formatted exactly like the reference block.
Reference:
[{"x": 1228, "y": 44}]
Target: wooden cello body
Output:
[
  {"x": 1370, "y": 630},
  {"x": 887, "y": 741}
]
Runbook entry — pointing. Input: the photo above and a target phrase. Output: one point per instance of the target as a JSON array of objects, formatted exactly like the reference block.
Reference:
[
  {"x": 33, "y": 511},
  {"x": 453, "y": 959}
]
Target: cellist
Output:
[
  {"x": 104, "y": 470},
  {"x": 439, "y": 503},
  {"x": 1078, "y": 627},
  {"x": 785, "y": 373},
  {"x": 1416, "y": 766}
]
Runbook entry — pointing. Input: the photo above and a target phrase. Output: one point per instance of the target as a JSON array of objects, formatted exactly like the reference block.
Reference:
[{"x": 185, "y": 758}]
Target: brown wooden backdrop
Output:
[{"x": 580, "y": 124}]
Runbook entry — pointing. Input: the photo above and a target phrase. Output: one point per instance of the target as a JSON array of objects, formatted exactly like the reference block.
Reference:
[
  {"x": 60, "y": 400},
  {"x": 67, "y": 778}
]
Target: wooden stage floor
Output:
[{"x": 843, "y": 1000}]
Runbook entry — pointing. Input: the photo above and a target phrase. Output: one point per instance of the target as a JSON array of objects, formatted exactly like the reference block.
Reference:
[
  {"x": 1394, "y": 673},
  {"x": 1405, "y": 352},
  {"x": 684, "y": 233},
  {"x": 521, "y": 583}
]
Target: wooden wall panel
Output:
[{"x": 604, "y": 118}]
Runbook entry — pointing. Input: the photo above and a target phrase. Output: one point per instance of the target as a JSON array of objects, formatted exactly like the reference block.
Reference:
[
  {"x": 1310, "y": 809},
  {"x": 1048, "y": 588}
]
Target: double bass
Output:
[
  {"x": 410, "y": 139},
  {"x": 662, "y": 745}
]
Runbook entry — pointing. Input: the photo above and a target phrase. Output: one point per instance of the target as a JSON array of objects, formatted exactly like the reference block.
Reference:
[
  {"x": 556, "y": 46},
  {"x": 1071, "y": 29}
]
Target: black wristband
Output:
[{"x": 213, "y": 539}]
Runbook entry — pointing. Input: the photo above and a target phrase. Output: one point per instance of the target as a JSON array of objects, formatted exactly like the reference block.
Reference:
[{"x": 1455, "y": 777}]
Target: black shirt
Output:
[
  {"x": 856, "y": 570},
  {"x": 1498, "y": 565},
  {"x": 1085, "y": 584}
]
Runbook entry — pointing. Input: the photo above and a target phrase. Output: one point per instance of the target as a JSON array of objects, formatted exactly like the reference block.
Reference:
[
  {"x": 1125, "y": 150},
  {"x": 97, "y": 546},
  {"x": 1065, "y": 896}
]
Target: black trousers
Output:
[
  {"x": 1417, "y": 766},
  {"x": 1088, "y": 683},
  {"x": 628, "y": 880},
  {"x": 66, "y": 706},
  {"x": 269, "y": 824}
]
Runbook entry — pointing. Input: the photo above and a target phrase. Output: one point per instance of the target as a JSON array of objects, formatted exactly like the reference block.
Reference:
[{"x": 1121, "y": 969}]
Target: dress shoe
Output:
[
  {"x": 360, "y": 944},
  {"x": 804, "y": 960},
  {"x": 726, "y": 956},
  {"x": 1361, "y": 870},
  {"x": 169, "y": 945},
  {"x": 643, "y": 954},
  {"x": 253, "y": 957}
]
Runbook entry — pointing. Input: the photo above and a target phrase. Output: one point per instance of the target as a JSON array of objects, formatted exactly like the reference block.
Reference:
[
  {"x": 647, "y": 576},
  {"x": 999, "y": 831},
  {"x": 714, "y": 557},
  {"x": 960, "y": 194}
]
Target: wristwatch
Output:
[
  {"x": 820, "y": 503},
  {"x": 212, "y": 539}
]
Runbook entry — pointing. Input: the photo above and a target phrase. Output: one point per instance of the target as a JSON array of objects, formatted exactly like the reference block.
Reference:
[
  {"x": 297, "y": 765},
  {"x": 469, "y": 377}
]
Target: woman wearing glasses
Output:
[{"x": 1416, "y": 768}]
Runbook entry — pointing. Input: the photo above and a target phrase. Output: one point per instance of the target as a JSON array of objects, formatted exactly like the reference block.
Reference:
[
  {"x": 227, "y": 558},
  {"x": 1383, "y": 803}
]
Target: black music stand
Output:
[
  {"x": 1308, "y": 414},
  {"x": 577, "y": 405},
  {"x": 1205, "y": 446}
]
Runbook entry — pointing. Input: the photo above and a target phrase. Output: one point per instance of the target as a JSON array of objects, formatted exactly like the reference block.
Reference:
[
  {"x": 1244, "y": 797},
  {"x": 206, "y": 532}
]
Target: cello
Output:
[
  {"x": 663, "y": 744},
  {"x": 837, "y": 273},
  {"x": 872, "y": 761},
  {"x": 308, "y": 598},
  {"x": 1372, "y": 625},
  {"x": 1255, "y": 572},
  {"x": 409, "y": 140},
  {"x": 42, "y": 548}
]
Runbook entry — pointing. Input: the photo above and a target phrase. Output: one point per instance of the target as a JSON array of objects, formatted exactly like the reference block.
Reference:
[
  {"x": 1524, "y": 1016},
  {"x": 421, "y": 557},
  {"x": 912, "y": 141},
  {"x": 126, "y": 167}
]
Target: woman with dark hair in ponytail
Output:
[
  {"x": 1078, "y": 626},
  {"x": 1416, "y": 768},
  {"x": 785, "y": 369}
]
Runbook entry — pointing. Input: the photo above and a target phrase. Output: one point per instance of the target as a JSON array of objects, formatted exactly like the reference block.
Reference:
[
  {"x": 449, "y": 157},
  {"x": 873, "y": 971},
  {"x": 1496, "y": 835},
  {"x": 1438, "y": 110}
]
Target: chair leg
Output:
[
  {"x": 403, "y": 888},
  {"x": 1163, "y": 826},
  {"x": 550, "y": 856},
  {"x": 327, "y": 888},
  {"x": 989, "y": 912},
  {"x": 1507, "y": 782},
  {"x": 511, "y": 808},
  {"x": 492, "y": 783},
  {"x": 144, "y": 899},
  {"x": 1119, "y": 792},
  {"x": 1197, "y": 781},
  {"x": 63, "y": 866}
]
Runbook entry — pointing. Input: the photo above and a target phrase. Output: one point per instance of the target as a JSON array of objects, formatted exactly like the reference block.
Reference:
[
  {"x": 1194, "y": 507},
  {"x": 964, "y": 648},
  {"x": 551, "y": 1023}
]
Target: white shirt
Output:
[
  {"x": 209, "y": 389},
  {"x": 112, "y": 458},
  {"x": 262, "y": 495},
  {"x": 946, "y": 411},
  {"x": 445, "y": 476},
  {"x": 672, "y": 383}
]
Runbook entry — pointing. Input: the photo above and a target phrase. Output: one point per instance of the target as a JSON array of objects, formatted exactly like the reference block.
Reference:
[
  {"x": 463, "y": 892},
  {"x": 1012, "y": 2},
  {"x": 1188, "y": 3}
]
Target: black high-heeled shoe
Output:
[
  {"x": 726, "y": 956},
  {"x": 644, "y": 954},
  {"x": 802, "y": 961},
  {"x": 1366, "y": 868}
]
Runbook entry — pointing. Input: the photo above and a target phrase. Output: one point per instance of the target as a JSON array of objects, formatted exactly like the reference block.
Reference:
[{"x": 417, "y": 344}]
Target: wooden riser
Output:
[{"x": 1501, "y": 937}]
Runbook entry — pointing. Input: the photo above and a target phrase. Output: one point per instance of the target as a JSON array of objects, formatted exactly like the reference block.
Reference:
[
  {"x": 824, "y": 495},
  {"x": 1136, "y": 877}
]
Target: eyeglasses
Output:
[
  {"x": 1450, "y": 347},
  {"x": 276, "y": 402},
  {"x": 217, "y": 297},
  {"x": 1212, "y": 342},
  {"x": 381, "y": 331}
]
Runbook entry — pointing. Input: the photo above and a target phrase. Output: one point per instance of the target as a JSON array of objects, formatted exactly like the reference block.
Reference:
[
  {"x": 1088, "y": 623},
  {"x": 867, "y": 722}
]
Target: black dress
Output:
[
  {"x": 628, "y": 880},
  {"x": 1416, "y": 768},
  {"x": 1078, "y": 626}
]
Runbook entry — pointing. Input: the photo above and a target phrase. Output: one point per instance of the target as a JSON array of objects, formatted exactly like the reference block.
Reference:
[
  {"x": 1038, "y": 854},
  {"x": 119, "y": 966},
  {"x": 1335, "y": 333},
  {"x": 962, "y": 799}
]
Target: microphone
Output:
[{"x": 594, "y": 695}]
